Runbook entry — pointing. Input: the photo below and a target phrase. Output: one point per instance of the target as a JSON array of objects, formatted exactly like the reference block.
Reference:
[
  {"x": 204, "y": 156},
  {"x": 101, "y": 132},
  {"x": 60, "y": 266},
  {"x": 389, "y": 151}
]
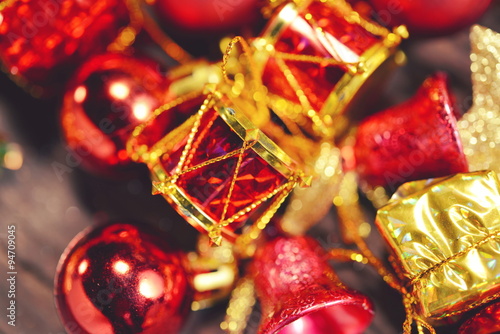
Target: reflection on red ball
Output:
[
  {"x": 108, "y": 97},
  {"x": 208, "y": 15},
  {"x": 122, "y": 279},
  {"x": 430, "y": 17},
  {"x": 486, "y": 321}
]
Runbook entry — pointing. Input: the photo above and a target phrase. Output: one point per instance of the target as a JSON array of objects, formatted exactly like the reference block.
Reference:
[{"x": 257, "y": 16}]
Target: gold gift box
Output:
[{"x": 444, "y": 234}]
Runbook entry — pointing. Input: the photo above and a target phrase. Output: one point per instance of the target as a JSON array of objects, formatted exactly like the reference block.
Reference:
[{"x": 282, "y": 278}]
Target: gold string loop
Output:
[
  {"x": 6, "y": 4},
  {"x": 349, "y": 212}
]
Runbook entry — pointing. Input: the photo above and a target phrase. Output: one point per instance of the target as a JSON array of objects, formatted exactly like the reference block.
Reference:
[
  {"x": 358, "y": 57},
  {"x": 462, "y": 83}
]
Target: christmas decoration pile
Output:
[{"x": 254, "y": 147}]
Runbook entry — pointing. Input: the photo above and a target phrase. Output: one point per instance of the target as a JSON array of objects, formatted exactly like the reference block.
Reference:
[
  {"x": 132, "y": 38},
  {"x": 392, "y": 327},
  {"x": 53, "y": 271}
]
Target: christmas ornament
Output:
[
  {"x": 214, "y": 270},
  {"x": 417, "y": 139},
  {"x": 487, "y": 321},
  {"x": 122, "y": 278},
  {"x": 300, "y": 293},
  {"x": 428, "y": 17},
  {"x": 202, "y": 16},
  {"x": 443, "y": 235},
  {"x": 318, "y": 58},
  {"x": 42, "y": 41},
  {"x": 480, "y": 126},
  {"x": 108, "y": 96},
  {"x": 218, "y": 168}
]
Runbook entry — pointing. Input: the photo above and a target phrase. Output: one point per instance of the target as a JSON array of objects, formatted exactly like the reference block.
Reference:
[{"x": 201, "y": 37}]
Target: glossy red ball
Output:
[
  {"x": 486, "y": 321},
  {"x": 122, "y": 278},
  {"x": 108, "y": 97},
  {"x": 212, "y": 16},
  {"x": 430, "y": 17},
  {"x": 42, "y": 41}
]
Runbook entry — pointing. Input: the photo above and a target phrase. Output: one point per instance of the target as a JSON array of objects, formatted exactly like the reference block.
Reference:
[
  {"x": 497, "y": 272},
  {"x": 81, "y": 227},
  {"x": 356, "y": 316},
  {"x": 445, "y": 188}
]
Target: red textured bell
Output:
[
  {"x": 122, "y": 278},
  {"x": 109, "y": 95},
  {"x": 417, "y": 139},
  {"x": 301, "y": 294},
  {"x": 430, "y": 17},
  {"x": 487, "y": 321},
  {"x": 323, "y": 56},
  {"x": 203, "y": 16},
  {"x": 42, "y": 41}
]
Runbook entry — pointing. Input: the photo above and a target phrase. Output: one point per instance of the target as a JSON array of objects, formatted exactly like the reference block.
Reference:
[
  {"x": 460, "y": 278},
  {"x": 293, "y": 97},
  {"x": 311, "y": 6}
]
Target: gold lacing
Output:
[
  {"x": 349, "y": 212},
  {"x": 141, "y": 19},
  {"x": 6, "y": 3}
]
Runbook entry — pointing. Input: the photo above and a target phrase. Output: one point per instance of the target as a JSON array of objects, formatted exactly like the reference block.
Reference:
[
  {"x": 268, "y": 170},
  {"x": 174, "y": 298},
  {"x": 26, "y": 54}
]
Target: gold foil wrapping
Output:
[{"x": 444, "y": 235}]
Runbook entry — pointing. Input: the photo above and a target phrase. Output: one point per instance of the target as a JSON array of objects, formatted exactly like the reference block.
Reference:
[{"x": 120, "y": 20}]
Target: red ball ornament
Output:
[
  {"x": 42, "y": 40},
  {"x": 213, "y": 16},
  {"x": 415, "y": 140},
  {"x": 487, "y": 321},
  {"x": 430, "y": 17},
  {"x": 107, "y": 98},
  {"x": 122, "y": 279}
]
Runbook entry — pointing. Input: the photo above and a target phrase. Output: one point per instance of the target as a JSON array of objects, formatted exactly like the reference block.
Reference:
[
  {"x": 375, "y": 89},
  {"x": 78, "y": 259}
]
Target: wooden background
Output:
[{"x": 49, "y": 211}]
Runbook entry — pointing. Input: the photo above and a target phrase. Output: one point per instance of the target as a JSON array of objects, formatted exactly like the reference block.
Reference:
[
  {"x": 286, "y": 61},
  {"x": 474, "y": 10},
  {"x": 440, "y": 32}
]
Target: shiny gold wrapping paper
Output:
[{"x": 444, "y": 235}]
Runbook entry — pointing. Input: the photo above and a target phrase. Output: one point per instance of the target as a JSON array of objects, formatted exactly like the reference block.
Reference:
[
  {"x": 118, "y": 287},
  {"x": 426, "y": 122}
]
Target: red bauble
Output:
[
  {"x": 42, "y": 40},
  {"x": 122, "y": 279},
  {"x": 107, "y": 98},
  {"x": 417, "y": 139},
  {"x": 212, "y": 16},
  {"x": 430, "y": 17},
  {"x": 487, "y": 321}
]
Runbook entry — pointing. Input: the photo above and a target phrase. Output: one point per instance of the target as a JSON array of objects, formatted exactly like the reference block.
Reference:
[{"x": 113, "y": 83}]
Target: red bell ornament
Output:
[
  {"x": 487, "y": 321},
  {"x": 319, "y": 58},
  {"x": 122, "y": 278},
  {"x": 42, "y": 41},
  {"x": 108, "y": 96},
  {"x": 203, "y": 16},
  {"x": 300, "y": 294},
  {"x": 429, "y": 17},
  {"x": 415, "y": 140}
]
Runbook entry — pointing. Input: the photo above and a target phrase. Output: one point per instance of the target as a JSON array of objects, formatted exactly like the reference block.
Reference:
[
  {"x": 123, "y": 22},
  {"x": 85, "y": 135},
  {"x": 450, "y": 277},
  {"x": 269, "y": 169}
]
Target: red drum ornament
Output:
[
  {"x": 319, "y": 58},
  {"x": 415, "y": 140},
  {"x": 301, "y": 294},
  {"x": 430, "y": 17},
  {"x": 122, "y": 279},
  {"x": 218, "y": 169},
  {"x": 42, "y": 41},
  {"x": 204, "y": 16},
  {"x": 487, "y": 321},
  {"x": 109, "y": 95}
]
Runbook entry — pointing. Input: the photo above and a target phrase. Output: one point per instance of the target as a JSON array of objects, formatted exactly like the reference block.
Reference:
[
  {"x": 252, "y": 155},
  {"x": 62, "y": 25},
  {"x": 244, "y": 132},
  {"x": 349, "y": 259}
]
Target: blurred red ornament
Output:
[
  {"x": 430, "y": 17},
  {"x": 301, "y": 294},
  {"x": 42, "y": 41},
  {"x": 122, "y": 279},
  {"x": 212, "y": 16},
  {"x": 417, "y": 139},
  {"x": 487, "y": 321},
  {"x": 109, "y": 95}
]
